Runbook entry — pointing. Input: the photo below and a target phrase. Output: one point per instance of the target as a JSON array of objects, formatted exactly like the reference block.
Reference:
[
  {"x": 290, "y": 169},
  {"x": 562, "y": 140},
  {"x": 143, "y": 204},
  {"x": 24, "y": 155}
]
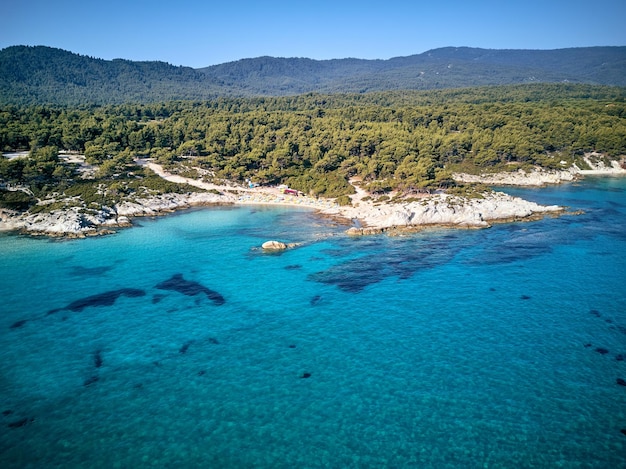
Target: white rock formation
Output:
[
  {"x": 520, "y": 178},
  {"x": 74, "y": 222},
  {"x": 442, "y": 209},
  {"x": 58, "y": 222},
  {"x": 541, "y": 177},
  {"x": 274, "y": 246}
]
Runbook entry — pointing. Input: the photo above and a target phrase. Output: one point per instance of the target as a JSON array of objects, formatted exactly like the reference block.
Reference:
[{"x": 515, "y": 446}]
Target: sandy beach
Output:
[
  {"x": 246, "y": 195},
  {"x": 369, "y": 217}
]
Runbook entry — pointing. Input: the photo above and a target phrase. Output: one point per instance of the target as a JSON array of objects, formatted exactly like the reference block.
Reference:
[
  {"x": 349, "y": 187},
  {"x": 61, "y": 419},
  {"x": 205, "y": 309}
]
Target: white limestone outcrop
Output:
[
  {"x": 519, "y": 178},
  {"x": 541, "y": 177},
  {"x": 74, "y": 222},
  {"x": 444, "y": 210}
]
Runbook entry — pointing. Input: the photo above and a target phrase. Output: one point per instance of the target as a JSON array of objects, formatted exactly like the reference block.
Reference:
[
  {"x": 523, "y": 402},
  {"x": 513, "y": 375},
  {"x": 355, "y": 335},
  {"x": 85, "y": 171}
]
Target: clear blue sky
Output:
[{"x": 198, "y": 33}]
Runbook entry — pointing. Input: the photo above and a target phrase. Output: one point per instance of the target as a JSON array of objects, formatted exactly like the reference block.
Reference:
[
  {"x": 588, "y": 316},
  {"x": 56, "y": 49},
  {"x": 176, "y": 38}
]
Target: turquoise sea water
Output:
[{"x": 483, "y": 348}]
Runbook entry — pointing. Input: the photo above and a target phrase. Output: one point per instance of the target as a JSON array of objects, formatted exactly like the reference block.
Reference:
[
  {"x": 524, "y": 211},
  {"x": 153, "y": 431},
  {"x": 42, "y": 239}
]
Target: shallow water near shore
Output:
[{"x": 446, "y": 348}]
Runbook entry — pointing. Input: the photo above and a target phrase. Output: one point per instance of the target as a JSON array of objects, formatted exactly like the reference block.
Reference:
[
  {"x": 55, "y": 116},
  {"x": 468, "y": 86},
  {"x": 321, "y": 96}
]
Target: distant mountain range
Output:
[{"x": 45, "y": 75}]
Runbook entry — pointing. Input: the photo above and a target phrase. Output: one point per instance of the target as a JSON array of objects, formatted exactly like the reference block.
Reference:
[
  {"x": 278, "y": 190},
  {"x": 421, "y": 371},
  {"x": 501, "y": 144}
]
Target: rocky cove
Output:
[
  {"x": 75, "y": 222},
  {"x": 366, "y": 215}
]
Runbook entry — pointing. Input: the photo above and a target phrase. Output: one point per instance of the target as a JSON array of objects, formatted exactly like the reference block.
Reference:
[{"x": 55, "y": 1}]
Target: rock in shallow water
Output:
[{"x": 273, "y": 246}]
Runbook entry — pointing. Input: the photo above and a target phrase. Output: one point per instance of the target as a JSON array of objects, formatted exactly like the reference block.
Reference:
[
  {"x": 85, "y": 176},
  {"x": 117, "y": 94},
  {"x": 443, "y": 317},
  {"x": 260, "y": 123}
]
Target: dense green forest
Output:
[
  {"x": 45, "y": 75},
  {"x": 410, "y": 141}
]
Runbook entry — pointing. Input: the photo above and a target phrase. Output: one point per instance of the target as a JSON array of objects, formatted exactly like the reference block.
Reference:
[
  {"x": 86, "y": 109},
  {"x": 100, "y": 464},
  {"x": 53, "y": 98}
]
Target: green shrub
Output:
[
  {"x": 344, "y": 200},
  {"x": 16, "y": 200}
]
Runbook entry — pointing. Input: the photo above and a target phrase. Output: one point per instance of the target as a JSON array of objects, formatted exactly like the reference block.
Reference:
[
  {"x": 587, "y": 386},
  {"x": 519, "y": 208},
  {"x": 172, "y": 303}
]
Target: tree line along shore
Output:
[{"x": 396, "y": 148}]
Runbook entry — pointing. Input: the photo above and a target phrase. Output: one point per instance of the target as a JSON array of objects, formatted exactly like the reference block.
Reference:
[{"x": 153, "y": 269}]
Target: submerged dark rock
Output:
[
  {"x": 315, "y": 300},
  {"x": 7, "y": 412},
  {"x": 103, "y": 299},
  {"x": 525, "y": 297},
  {"x": 602, "y": 351},
  {"x": 305, "y": 375},
  {"x": 623, "y": 431},
  {"x": 185, "y": 347},
  {"x": 21, "y": 422},
  {"x": 19, "y": 323},
  {"x": 619, "y": 358},
  {"x": 97, "y": 359},
  {"x": 91, "y": 380},
  {"x": 157, "y": 298},
  {"x": 214, "y": 341},
  {"x": 293, "y": 267},
  {"x": 621, "y": 382},
  {"x": 595, "y": 313},
  {"x": 355, "y": 274},
  {"x": 189, "y": 288},
  {"x": 80, "y": 271}
]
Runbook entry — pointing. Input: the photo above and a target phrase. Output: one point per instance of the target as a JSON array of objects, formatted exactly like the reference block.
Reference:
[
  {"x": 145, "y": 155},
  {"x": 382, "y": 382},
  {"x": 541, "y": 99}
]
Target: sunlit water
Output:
[{"x": 481, "y": 348}]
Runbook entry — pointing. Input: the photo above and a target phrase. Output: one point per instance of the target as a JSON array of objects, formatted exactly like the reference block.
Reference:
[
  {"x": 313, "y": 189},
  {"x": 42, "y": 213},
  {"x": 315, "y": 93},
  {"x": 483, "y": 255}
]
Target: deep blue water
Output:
[{"x": 481, "y": 348}]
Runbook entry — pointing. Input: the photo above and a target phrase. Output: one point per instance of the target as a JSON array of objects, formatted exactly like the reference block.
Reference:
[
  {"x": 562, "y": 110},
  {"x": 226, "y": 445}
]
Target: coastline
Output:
[
  {"x": 365, "y": 214},
  {"x": 76, "y": 223},
  {"x": 542, "y": 177},
  {"x": 441, "y": 210}
]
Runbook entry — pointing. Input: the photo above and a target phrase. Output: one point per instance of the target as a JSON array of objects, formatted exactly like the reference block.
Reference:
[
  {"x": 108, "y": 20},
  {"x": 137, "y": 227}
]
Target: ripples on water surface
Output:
[{"x": 489, "y": 348}]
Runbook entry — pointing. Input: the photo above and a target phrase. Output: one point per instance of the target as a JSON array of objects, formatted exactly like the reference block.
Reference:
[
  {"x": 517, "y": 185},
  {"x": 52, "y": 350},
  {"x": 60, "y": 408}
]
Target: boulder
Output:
[{"x": 274, "y": 246}]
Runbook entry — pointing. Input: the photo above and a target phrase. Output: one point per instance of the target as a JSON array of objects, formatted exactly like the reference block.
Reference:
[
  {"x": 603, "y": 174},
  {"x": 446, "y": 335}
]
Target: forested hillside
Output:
[
  {"x": 44, "y": 75},
  {"x": 450, "y": 67},
  {"x": 410, "y": 141}
]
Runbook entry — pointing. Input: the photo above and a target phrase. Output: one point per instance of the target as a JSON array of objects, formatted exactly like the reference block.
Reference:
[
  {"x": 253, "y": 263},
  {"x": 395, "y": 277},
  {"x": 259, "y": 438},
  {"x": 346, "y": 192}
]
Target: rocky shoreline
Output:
[
  {"x": 76, "y": 223},
  {"x": 520, "y": 178},
  {"x": 441, "y": 210},
  {"x": 543, "y": 177},
  {"x": 365, "y": 214}
]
